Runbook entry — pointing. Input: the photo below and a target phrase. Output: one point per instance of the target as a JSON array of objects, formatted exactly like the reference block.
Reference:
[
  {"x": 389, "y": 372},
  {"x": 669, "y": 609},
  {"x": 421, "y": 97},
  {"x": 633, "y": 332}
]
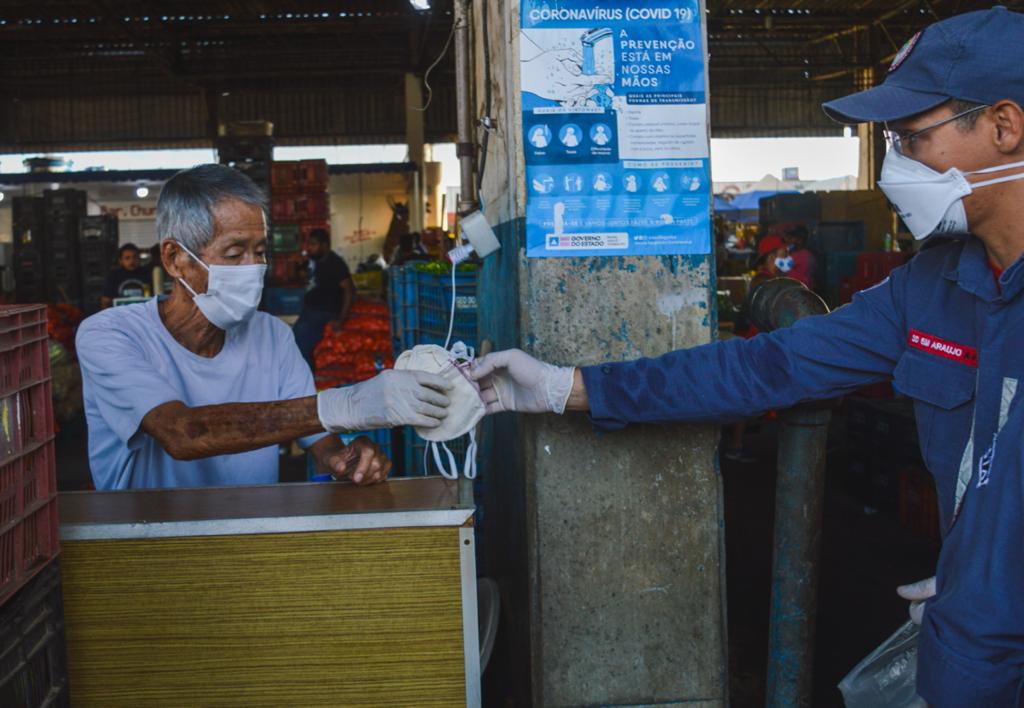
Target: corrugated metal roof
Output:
[{"x": 77, "y": 74}]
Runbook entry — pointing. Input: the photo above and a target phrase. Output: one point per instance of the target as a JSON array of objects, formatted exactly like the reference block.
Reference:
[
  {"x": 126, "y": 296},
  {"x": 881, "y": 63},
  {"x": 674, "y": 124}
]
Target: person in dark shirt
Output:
[
  {"x": 128, "y": 279},
  {"x": 329, "y": 294}
]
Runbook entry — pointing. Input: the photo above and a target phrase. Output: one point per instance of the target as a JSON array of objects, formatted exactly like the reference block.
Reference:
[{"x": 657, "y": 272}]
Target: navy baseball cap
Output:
[{"x": 977, "y": 57}]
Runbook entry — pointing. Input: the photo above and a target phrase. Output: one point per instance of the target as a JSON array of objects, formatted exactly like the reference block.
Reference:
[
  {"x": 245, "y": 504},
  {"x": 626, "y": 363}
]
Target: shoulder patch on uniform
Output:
[{"x": 904, "y": 52}]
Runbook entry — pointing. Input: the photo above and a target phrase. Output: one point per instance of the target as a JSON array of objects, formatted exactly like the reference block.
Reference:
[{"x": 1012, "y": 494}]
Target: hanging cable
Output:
[
  {"x": 426, "y": 74},
  {"x": 486, "y": 120}
]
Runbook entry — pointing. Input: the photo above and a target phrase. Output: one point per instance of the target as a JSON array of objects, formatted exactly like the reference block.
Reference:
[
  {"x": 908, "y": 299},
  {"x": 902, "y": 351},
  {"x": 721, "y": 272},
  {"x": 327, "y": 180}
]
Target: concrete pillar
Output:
[
  {"x": 414, "y": 137},
  {"x": 608, "y": 549}
]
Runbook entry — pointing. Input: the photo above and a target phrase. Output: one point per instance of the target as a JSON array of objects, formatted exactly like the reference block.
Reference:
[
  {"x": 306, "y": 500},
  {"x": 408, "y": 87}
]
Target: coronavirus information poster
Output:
[{"x": 614, "y": 128}]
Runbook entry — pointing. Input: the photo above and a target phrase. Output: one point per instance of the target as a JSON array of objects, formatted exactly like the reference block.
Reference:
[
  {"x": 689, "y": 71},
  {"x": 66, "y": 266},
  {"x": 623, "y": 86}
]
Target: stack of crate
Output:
[
  {"x": 46, "y": 254},
  {"x": 31, "y": 629},
  {"x": 63, "y": 208},
  {"x": 29, "y": 249},
  {"x": 249, "y": 153},
  {"x": 300, "y": 204},
  {"x": 97, "y": 245}
]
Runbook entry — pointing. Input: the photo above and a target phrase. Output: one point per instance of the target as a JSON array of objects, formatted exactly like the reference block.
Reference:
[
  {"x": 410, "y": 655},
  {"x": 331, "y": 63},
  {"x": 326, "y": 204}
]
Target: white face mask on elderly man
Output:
[
  {"x": 931, "y": 202},
  {"x": 232, "y": 292}
]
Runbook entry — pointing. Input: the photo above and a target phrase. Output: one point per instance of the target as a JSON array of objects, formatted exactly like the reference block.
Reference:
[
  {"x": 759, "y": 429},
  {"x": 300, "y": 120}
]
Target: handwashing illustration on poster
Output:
[{"x": 614, "y": 128}]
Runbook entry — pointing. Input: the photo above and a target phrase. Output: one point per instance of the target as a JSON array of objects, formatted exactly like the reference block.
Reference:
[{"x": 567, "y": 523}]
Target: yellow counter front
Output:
[{"x": 296, "y": 594}]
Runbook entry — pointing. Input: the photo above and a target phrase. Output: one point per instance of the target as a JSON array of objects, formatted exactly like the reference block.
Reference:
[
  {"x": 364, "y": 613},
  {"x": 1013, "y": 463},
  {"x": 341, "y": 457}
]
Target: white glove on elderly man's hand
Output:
[
  {"x": 388, "y": 400},
  {"x": 917, "y": 593},
  {"x": 513, "y": 380}
]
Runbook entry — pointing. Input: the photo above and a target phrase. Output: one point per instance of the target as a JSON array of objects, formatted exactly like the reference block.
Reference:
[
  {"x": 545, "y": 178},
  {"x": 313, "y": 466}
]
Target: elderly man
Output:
[
  {"x": 198, "y": 389},
  {"x": 947, "y": 329}
]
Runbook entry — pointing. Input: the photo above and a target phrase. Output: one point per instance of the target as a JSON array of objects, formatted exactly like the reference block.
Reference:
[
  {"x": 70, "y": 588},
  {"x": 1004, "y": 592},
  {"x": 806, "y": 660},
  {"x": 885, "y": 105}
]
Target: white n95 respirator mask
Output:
[
  {"x": 931, "y": 202},
  {"x": 466, "y": 407},
  {"x": 232, "y": 292}
]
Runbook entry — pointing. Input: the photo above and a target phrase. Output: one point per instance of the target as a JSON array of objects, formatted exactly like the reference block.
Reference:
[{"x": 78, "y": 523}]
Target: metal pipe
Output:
[
  {"x": 465, "y": 148},
  {"x": 799, "y": 497}
]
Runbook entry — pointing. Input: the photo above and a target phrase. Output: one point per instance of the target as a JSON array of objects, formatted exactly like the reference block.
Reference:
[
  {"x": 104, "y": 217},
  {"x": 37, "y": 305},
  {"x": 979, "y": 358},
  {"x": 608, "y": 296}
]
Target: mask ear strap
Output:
[
  {"x": 469, "y": 466},
  {"x": 451, "y": 472},
  {"x": 997, "y": 168},
  {"x": 188, "y": 287},
  {"x": 997, "y": 180},
  {"x": 196, "y": 258}
]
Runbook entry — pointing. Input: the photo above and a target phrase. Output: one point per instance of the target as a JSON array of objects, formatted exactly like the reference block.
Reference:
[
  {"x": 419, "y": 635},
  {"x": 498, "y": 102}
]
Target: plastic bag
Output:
[{"x": 886, "y": 677}]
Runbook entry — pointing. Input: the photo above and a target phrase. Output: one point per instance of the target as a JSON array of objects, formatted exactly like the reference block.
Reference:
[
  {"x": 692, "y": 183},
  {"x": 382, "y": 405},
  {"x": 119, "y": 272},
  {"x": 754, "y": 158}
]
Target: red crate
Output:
[
  {"x": 26, "y": 481},
  {"x": 873, "y": 268},
  {"x": 287, "y": 270},
  {"x": 298, "y": 176},
  {"x": 20, "y": 324},
  {"x": 26, "y": 420},
  {"x": 24, "y": 365},
  {"x": 299, "y": 207},
  {"x": 27, "y": 545}
]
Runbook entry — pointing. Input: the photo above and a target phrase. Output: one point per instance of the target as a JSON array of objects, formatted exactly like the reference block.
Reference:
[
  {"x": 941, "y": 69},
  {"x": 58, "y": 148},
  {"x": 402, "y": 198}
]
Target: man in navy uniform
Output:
[{"x": 947, "y": 329}]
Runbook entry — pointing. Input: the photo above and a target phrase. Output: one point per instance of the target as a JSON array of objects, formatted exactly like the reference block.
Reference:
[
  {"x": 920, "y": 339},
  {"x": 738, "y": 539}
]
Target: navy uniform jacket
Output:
[{"x": 953, "y": 341}]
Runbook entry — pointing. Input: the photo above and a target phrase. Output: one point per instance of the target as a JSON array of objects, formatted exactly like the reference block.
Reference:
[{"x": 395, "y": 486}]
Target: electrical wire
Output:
[
  {"x": 451, "y": 316},
  {"x": 426, "y": 74},
  {"x": 485, "y": 121}
]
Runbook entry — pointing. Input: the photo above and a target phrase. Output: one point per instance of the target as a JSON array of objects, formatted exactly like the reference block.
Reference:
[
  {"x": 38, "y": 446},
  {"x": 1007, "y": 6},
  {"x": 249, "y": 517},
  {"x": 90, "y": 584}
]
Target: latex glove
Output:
[
  {"x": 917, "y": 592},
  {"x": 390, "y": 399},
  {"x": 513, "y": 380}
]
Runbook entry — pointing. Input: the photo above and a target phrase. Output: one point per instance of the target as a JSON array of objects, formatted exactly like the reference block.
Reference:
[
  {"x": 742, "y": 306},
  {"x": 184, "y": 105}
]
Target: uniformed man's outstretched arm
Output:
[{"x": 817, "y": 358}]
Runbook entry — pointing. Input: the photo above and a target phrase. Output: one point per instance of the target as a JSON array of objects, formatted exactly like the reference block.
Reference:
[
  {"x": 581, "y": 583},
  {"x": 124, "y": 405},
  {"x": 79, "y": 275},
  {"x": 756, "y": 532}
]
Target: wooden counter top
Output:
[{"x": 279, "y": 508}]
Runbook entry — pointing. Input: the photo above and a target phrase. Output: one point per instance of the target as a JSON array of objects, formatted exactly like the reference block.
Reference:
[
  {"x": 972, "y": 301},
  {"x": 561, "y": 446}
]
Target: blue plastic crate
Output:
[
  {"x": 381, "y": 437},
  {"x": 420, "y": 305},
  {"x": 283, "y": 301}
]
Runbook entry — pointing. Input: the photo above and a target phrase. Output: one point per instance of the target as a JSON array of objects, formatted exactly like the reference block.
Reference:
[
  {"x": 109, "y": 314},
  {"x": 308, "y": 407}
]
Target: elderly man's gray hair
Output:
[{"x": 184, "y": 211}]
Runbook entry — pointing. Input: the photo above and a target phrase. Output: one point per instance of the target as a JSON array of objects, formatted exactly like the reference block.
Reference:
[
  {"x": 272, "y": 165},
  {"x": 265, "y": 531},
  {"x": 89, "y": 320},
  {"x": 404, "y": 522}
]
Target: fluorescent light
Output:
[
  {"x": 1, "y": 196},
  {"x": 420, "y": 4},
  {"x": 54, "y": 185},
  {"x": 142, "y": 192}
]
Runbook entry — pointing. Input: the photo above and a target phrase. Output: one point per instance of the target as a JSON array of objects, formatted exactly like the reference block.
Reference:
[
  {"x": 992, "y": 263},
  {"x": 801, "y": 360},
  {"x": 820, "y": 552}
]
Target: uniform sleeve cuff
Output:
[{"x": 601, "y": 416}]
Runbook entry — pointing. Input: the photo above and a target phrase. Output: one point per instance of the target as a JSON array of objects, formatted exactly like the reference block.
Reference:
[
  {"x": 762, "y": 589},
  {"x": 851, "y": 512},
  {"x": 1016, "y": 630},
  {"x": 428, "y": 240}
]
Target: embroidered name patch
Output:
[{"x": 942, "y": 347}]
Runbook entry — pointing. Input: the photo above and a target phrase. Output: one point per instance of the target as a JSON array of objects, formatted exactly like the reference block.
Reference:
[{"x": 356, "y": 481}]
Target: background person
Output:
[
  {"x": 128, "y": 279},
  {"x": 329, "y": 294},
  {"x": 805, "y": 264}
]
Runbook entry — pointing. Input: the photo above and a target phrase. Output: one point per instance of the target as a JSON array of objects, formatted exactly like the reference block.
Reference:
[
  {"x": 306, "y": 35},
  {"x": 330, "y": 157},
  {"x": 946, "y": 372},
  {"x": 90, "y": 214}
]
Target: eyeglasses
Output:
[{"x": 903, "y": 142}]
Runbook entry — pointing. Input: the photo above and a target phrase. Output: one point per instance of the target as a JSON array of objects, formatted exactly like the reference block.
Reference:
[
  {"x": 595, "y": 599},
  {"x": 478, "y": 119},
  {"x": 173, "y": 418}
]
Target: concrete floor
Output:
[{"x": 864, "y": 557}]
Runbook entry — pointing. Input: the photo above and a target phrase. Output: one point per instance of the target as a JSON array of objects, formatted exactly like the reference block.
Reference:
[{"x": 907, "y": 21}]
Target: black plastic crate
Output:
[
  {"x": 30, "y": 276},
  {"x": 33, "y": 662},
  {"x": 27, "y": 223},
  {"x": 68, "y": 201}
]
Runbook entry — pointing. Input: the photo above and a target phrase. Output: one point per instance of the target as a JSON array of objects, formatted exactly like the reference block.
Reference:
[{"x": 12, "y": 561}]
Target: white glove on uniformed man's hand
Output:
[
  {"x": 513, "y": 380},
  {"x": 917, "y": 592},
  {"x": 390, "y": 399}
]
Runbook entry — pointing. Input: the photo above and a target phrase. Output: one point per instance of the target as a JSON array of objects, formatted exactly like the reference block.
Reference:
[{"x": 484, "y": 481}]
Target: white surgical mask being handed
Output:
[
  {"x": 232, "y": 292},
  {"x": 931, "y": 202}
]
